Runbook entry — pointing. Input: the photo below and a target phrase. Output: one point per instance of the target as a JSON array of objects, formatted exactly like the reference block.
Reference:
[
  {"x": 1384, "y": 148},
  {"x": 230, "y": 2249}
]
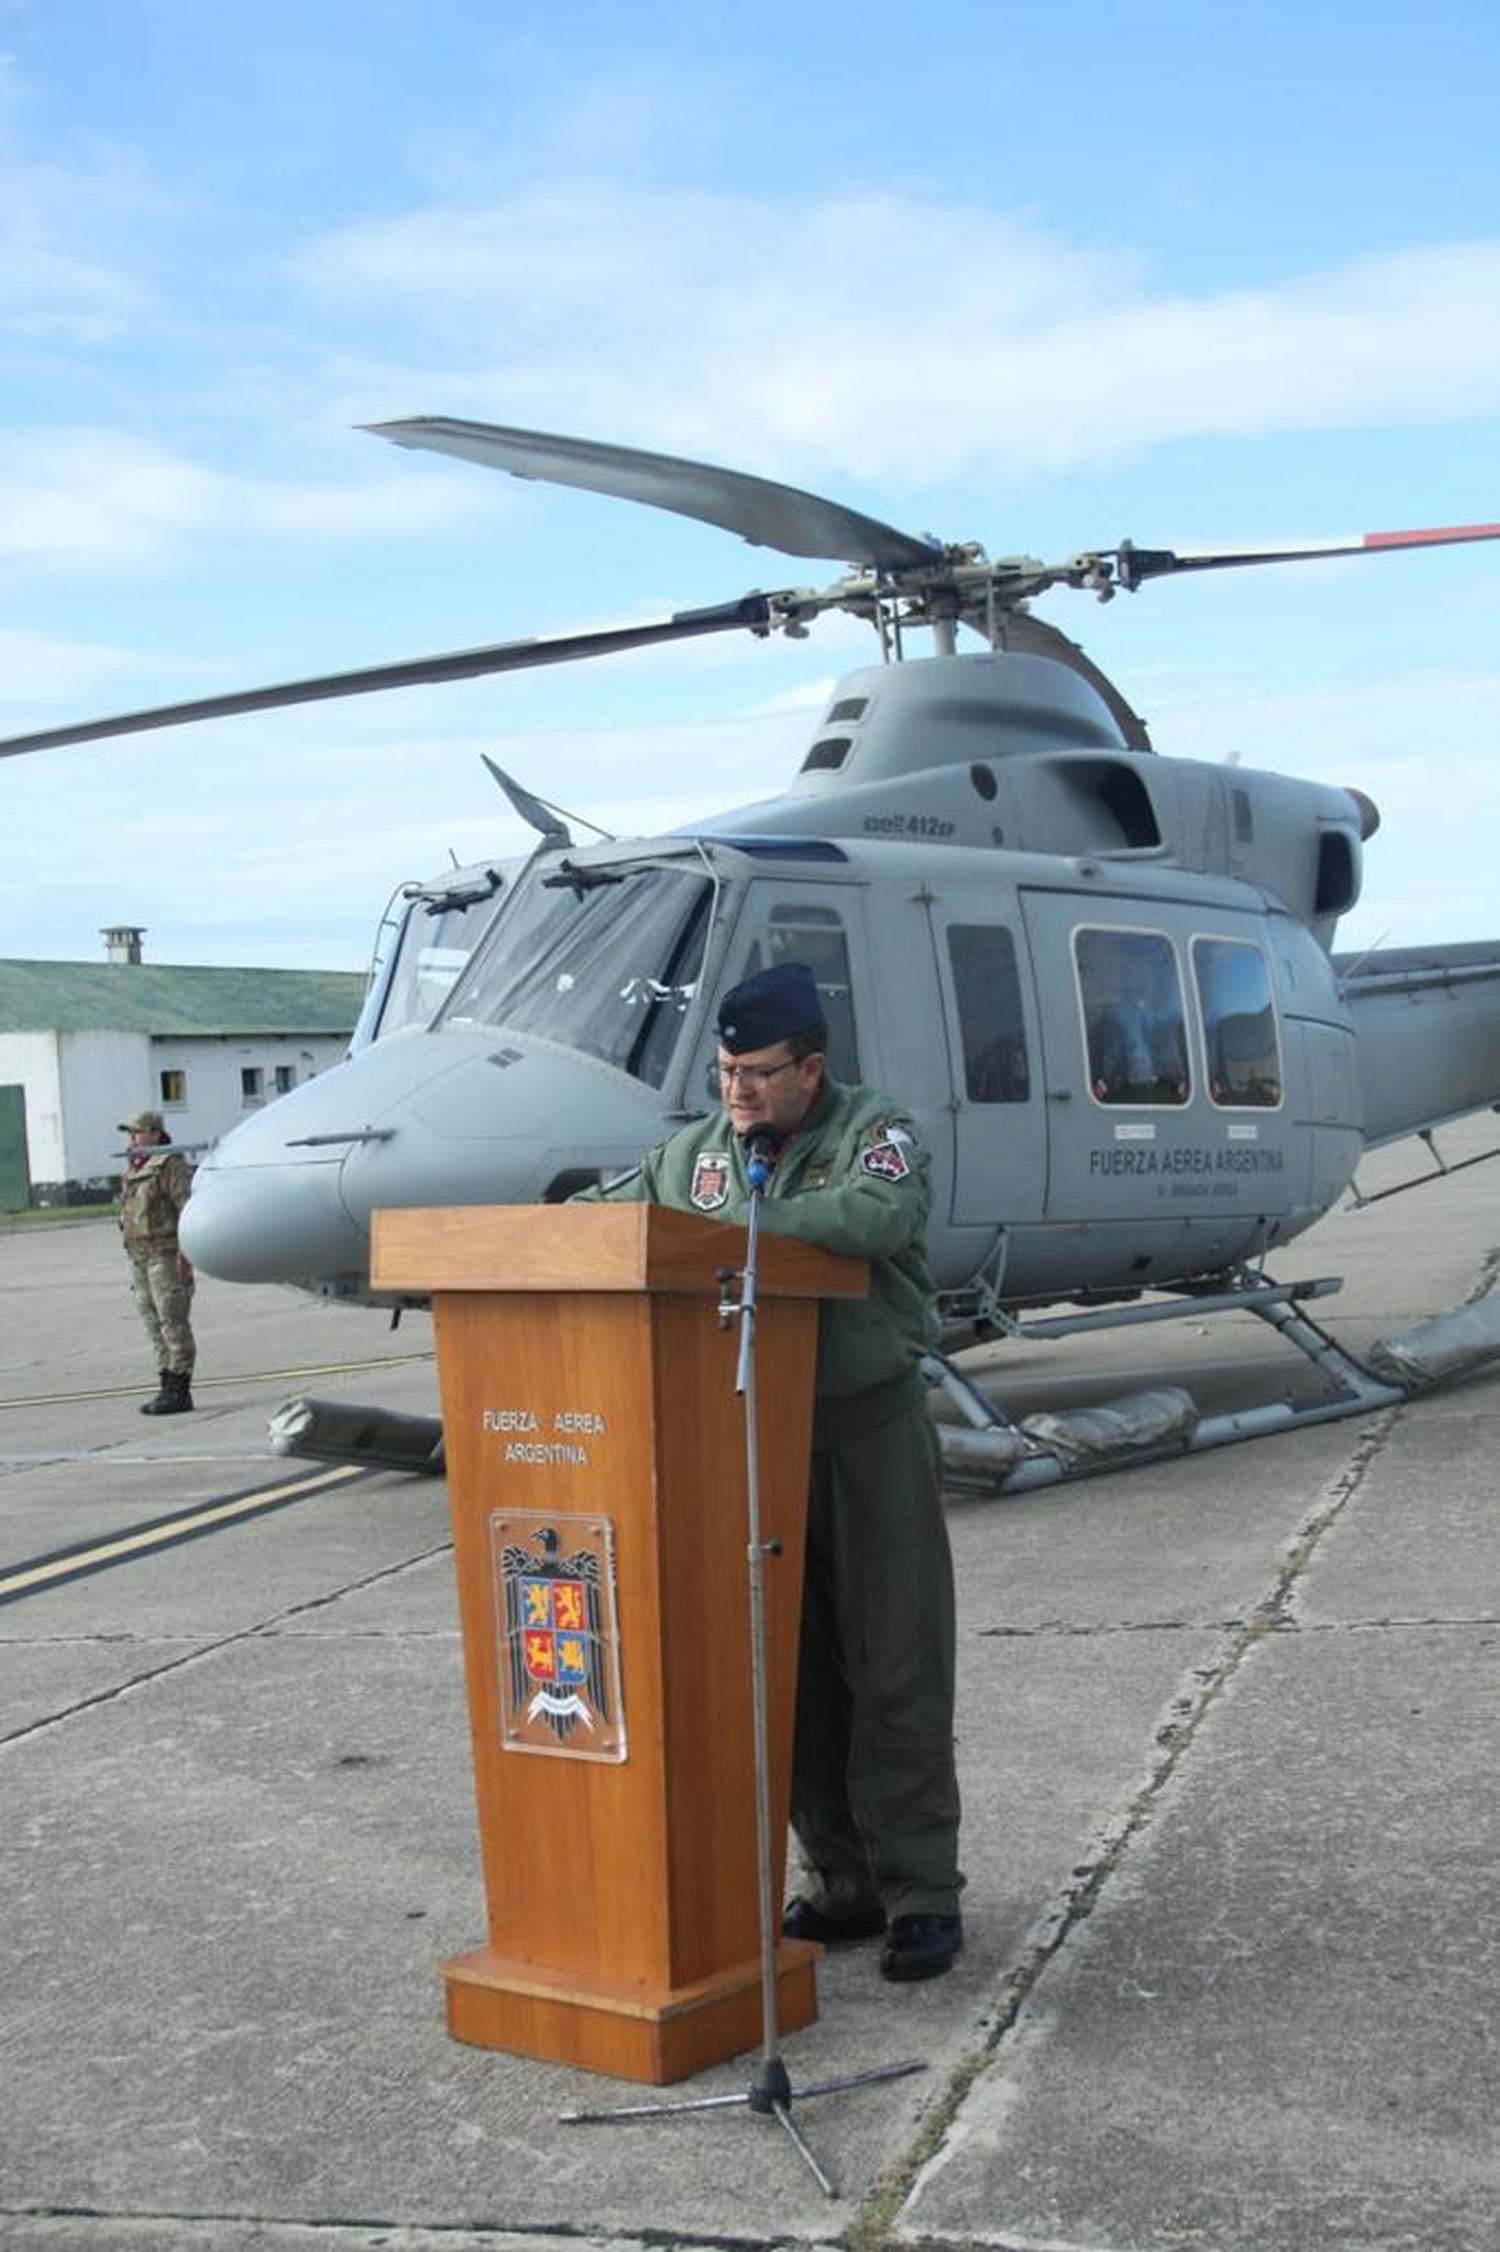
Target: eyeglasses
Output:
[{"x": 752, "y": 1076}]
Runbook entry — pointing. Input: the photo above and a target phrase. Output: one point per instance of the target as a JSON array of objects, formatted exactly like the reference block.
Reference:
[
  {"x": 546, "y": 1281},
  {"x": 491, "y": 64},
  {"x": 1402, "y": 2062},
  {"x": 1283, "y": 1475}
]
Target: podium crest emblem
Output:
[{"x": 557, "y": 1636}]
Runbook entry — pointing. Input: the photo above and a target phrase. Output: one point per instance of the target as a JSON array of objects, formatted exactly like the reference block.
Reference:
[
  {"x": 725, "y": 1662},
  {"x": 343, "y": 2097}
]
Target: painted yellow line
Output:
[
  {"x": 218, "y": 1383},
  {"x": 168, "y": 1529}
]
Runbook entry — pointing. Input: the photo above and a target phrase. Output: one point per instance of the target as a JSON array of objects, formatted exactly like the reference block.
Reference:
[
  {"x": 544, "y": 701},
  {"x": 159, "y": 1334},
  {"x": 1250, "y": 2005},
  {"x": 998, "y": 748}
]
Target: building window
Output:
[
  {"x": 173, "y": 1085},
  {"x": 286, "y": 1078},
  {"x": 252, "y": 1083}
]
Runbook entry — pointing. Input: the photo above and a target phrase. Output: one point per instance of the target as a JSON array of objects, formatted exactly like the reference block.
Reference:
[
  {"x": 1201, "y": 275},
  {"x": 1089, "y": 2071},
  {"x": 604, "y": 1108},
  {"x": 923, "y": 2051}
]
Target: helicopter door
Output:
[
  {"x": 1119, "y": 1071},
  {"x": 989, "y": 1020}
]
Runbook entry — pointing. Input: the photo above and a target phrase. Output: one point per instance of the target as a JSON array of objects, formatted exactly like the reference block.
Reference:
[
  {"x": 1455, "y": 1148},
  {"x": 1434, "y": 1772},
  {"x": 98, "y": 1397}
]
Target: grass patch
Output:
[{"x": 54, "y": 1216}]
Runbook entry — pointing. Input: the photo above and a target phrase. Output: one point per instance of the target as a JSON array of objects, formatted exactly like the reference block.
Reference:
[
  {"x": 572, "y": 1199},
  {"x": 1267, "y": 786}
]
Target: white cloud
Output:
[
  {"x": 99, "y": 500},
  {"x": 51, "y": 289},
  {"x": 830, "y": 332}
]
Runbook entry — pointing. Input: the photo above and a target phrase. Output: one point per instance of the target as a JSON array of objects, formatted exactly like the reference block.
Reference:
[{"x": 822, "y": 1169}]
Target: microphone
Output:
[{"x": 762, "y": 1144}]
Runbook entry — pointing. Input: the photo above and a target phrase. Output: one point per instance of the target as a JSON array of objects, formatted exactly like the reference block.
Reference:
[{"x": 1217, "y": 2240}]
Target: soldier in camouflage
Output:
[
  {"x": 152, "y": 1195},
  {"x": 874, "y": 1793}
]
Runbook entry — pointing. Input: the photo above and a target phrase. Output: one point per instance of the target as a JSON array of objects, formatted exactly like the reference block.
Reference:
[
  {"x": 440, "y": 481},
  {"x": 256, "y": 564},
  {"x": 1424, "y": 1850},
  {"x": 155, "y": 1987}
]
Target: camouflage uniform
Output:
[
  {"x": 152, "y": 1196},
  {"x": 874, "y": 1794}
]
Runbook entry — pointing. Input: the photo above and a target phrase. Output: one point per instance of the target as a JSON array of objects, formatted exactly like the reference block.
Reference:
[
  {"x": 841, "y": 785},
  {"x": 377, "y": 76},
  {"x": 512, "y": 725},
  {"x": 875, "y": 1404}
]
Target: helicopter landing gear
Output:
[{"x": 988, "y": 1452}]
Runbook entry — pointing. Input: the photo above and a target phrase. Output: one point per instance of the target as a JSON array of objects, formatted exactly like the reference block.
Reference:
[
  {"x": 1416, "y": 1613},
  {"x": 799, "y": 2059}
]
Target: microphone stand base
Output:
[{"x": 770, "y": 2093}]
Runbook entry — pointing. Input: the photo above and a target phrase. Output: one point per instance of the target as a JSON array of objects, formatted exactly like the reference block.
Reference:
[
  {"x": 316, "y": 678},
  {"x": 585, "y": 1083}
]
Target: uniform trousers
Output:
[
  {"x": 165, "y": 1301},
  {"x": 875, "y": 1802}
]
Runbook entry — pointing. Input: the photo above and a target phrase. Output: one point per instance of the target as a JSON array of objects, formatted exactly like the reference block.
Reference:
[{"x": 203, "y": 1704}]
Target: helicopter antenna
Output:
[
  {"x": 1360, "y": 960},
  {"x": 549, "y": 819}
]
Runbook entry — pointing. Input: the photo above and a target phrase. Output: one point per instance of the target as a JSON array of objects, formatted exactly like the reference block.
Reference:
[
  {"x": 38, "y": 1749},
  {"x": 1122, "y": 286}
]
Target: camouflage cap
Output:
[{"x": 144, "y": 1122}]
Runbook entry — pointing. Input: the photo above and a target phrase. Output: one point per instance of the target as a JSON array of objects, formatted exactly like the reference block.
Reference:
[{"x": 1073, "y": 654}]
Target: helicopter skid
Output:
[
  {"x": 989, "y": 1453},
  {"x": 992, "y": 1453},
  {"x": 986, "y": 1452}
]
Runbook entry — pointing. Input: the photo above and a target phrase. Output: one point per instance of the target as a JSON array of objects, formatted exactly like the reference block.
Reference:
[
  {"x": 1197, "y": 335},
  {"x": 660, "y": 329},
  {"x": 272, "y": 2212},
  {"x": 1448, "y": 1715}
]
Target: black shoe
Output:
[
  {"x": 921, "y": 1946},
  {"x": 158, "y": 1406},
  {"x": 800, "y": 1919}
]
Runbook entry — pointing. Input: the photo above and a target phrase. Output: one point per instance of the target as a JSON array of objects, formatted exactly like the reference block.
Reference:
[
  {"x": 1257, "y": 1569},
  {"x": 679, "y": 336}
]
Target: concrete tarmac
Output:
[{"x": 1227, "y": 1734}]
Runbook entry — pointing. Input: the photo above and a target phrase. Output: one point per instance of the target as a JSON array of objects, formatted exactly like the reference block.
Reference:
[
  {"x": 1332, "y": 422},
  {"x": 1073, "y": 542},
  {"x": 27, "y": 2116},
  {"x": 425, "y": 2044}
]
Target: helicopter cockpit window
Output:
[
  {"x": 432, "y": 949},
  {"x": 607, "y": 965},
  {"x": 988, "y": 990},
  {"x": 1133, "y": 1017},
  {"x": 1239, "y": 1023}
]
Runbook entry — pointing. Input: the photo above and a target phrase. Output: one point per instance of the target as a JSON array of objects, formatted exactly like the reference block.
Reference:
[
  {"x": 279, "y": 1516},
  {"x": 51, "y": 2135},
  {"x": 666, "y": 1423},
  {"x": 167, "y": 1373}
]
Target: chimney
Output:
[{"x": 122, "y": 942}]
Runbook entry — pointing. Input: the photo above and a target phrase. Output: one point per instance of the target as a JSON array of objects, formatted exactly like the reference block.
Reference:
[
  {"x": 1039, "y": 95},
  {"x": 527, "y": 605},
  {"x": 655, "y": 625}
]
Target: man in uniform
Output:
[
  {"x": 874, "y": 1793},
  {"x": 152, "y": 1195}
]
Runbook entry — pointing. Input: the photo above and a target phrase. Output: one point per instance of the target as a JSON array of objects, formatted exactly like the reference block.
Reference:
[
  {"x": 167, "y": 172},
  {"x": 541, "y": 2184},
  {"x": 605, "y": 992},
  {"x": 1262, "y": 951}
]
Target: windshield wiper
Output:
[
  {"x": 439, "y": 902},
  {"x": 579, "y": 880}
]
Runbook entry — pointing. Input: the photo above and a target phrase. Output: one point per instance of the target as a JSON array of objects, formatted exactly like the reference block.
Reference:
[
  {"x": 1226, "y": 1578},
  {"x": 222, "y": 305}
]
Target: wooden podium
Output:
[{"x": 596, "y": 1471}]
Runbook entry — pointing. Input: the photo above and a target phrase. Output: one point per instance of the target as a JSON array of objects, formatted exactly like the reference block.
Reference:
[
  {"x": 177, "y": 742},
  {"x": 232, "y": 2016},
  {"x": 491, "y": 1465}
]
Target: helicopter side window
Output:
[
  {"x": 800, "y": 931},
  {"x": 807, "y": 933},
  {"x": 987, "y": 987},
  {"x": 1239, "y": 1023},
  {"x": 1133, "y": 1017}
]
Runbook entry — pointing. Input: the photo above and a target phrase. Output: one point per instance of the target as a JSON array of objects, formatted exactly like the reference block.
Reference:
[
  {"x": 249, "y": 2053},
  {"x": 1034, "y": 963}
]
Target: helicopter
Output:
[{"x": 1102, "y": 980}]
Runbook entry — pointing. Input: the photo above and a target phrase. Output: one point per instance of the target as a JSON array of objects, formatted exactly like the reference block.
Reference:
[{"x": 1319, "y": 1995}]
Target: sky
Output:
[{"x": 1042, "y": 279}]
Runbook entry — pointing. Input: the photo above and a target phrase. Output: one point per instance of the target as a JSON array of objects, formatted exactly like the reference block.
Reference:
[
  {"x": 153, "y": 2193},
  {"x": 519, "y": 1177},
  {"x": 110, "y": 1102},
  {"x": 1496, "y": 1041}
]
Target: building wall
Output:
[
  {"x": 215, "y": 1072},
  {"x": 80, "y": 1084},
  {"x": 103, "y": 1077}
]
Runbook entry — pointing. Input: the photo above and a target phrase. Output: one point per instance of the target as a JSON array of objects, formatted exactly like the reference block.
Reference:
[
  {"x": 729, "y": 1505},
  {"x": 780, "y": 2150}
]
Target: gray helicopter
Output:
[{"x": 1103, "y": 980}]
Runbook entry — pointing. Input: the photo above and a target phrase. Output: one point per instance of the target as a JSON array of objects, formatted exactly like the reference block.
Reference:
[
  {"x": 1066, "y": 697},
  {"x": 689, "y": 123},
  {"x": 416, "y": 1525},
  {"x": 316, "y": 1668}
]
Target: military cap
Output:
[
  {"x": 773, "y": 1005},
  {"x": 144, "y": 1122}
]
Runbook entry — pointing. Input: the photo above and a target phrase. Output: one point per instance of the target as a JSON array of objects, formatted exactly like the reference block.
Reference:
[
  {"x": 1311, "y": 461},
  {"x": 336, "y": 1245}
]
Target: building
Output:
[{"x": 85, "y": 1044}]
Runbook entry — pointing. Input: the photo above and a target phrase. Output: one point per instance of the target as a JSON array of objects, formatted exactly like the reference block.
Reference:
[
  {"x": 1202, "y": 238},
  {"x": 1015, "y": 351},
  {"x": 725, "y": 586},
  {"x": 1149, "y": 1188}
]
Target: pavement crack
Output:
[
  {"x": 149, "y": 1675},
  {"x": 1174, "y": 1736},
  {"x": 1086, "y": 1629},
  {"x": 350, "y": 2234}
]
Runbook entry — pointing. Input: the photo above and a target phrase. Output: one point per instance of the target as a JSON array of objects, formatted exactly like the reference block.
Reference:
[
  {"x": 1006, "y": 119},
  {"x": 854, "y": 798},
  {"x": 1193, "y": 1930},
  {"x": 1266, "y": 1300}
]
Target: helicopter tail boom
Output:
[{"x": 1427, "y": 1035}]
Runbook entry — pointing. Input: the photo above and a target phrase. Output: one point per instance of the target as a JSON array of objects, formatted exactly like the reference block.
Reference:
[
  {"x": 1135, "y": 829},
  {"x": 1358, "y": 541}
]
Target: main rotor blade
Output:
[
  {"x": 1138, "y": 563},
  {"x": 752, "y": 613},
  {"x": 762, "y": 512}
]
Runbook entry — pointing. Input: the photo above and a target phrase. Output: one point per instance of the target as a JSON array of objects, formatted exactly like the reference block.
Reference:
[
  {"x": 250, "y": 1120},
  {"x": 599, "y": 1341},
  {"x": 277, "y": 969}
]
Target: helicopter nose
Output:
[
  {"x": 267, "y": 1202},
  {"x": 511, "y": 1120},
  {"x": 277, "y": 1220},
  {"x": 470, "y": 1117}
]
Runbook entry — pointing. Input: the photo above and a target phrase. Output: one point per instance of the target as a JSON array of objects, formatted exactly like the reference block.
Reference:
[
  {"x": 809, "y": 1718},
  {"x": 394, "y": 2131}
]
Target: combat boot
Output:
[
  {"x": 158, "y": 1406},
  {"x": 175, "y": 1396}
]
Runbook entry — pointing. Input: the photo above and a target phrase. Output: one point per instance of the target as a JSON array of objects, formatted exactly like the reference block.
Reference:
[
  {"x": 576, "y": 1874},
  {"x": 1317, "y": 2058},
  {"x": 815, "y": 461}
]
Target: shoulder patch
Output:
[{"x": 887, "y": 1160}]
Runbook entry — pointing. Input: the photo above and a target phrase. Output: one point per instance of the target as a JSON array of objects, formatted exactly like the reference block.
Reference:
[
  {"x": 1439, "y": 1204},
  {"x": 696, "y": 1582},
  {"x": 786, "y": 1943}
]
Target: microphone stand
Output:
[{"x": 770, "y": 2090}]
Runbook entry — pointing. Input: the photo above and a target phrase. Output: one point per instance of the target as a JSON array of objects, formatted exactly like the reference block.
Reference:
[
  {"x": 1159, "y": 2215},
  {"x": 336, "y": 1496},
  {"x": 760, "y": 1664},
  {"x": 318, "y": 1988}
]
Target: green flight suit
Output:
[{"x": 874, "y": 1793}]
